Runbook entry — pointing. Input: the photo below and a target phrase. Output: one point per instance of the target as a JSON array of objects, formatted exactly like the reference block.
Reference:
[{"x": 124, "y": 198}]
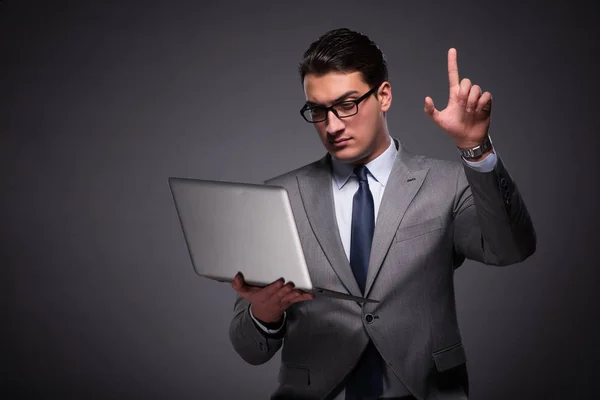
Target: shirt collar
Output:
[{"x": 380, "y": 168}]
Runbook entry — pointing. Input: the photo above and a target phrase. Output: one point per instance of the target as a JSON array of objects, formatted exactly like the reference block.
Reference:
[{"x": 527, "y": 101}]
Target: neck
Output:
[{"x": 379, "y": 147}]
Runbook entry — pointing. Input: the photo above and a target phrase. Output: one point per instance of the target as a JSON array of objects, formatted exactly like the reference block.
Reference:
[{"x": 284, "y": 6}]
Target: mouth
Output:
[{"x": 338, "y": 141}]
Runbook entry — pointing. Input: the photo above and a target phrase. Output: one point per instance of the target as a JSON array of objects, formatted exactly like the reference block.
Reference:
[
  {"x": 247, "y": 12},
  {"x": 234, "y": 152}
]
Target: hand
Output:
[
  {"x": 269, "y": 303},
  {"x": 466, "y": 118}
]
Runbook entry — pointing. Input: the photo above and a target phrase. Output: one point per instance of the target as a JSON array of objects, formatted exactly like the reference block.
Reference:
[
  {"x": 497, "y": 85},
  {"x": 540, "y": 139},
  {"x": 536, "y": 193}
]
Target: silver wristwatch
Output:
[{"x": 475, "y": 152}]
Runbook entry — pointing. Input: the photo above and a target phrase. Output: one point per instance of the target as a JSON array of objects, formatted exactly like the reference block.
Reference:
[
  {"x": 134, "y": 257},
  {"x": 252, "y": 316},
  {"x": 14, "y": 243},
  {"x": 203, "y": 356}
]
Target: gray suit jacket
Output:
[{"x": 433, "y": 215}]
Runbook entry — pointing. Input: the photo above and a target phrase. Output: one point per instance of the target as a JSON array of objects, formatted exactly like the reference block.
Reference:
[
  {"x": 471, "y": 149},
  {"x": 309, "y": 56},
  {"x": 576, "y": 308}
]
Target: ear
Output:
[{"x": 384, "y": 94}]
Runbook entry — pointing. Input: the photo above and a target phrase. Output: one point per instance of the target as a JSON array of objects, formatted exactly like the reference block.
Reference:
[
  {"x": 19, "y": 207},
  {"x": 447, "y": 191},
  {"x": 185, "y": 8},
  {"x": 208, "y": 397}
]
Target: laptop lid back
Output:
[{"x": 230, "y": 227}]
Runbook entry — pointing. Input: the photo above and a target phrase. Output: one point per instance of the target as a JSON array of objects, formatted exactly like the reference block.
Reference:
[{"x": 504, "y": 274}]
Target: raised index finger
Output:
[{"x": 452, "y": 69}]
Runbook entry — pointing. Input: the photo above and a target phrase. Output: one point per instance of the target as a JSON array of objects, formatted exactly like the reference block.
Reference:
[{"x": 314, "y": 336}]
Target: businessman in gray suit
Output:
[{"x": 380, "y": 222}]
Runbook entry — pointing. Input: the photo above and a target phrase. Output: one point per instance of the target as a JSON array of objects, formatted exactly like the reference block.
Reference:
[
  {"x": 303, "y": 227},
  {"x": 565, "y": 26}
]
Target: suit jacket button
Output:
[{"x": 369, "y": 318}]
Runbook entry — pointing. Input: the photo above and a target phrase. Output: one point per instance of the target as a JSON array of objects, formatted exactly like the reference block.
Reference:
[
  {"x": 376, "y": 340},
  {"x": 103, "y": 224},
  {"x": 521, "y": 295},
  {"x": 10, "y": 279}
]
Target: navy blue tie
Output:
[
  {"x": 363, "y": 225},
  {"x": 366, "y": 380}
]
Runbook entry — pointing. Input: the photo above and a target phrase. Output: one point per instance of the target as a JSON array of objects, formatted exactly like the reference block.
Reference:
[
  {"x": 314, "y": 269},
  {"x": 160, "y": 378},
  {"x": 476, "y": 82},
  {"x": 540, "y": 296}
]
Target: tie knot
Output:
[{"x": 361, "y": 173}]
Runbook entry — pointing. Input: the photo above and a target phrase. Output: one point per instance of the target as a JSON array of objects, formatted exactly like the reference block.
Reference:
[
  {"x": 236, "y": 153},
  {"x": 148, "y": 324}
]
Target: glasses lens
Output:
[
  {"x": 315, "y": 114},
  {"x": 346, "y": 109}
]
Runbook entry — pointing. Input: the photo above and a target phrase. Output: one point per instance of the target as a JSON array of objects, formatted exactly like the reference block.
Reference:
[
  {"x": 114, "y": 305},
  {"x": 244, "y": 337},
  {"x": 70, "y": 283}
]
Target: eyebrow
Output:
[{"x": 342, "y": 97}]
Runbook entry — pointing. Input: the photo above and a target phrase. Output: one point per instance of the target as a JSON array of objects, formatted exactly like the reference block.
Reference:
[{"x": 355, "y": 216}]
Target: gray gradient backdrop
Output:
[{"x": 101, "y": 102}]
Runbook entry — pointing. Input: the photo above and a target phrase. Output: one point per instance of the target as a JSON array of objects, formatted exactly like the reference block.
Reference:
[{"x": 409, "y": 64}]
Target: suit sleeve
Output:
[
  {"x": 491, "y": 222},
  {"x": 251, "y": 342}
]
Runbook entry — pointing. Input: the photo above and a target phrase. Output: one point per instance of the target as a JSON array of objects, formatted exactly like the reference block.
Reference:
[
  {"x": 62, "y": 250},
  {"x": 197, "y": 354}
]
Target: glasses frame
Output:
[{"x": 332, "y": 107}]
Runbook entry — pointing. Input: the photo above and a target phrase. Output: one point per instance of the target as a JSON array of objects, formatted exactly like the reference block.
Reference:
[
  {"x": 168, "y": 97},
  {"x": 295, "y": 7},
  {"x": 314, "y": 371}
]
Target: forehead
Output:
[{"x": 323, "y": 89}]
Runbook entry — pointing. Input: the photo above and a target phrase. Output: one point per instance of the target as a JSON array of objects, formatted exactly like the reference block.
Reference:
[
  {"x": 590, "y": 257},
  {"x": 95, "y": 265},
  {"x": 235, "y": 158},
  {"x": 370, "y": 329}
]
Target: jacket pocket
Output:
[
  {"x": 419, "y": 229},
  {"x": 449, "y": 357},
  {"x": 294, "y": 375}
]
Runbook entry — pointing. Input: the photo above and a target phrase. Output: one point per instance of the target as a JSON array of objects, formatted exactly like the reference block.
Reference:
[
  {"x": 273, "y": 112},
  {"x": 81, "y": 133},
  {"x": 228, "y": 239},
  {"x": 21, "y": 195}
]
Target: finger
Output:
[
  {"x": 452, "y": 71},
  {"x": 237, "y": 281},
  {"x": 286, "y": 300},
  {"x": 429, "y": 108},
  {"x": 281, "y": 293},
  {"x": 266, "y": 293},
  {"x": 484, "y": 103},
  {"x": 473, "y": 98},
  {"x": 272, "y": 288},
  {"x": 463, "y": 93},
  {"x": 303, "y": 297},
  {"x": 243, "y": 289}
]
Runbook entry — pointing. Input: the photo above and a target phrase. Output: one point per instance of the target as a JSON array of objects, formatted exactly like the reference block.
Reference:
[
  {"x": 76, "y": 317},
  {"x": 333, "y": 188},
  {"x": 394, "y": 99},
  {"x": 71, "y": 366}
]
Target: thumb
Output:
[
  {"x": 244, "y": 290},
  {"x": 238, "y": 282},
  {"x": 429, "y": 108}
]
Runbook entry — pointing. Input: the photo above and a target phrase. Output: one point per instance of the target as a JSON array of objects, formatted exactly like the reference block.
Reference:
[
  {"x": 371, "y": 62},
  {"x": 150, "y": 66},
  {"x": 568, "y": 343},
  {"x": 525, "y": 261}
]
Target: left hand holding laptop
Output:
[{"x": 269, "y": 303}]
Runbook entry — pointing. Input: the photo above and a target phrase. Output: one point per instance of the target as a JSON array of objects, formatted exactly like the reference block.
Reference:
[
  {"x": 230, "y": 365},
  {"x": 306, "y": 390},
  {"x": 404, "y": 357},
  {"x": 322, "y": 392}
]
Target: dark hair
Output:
[{"x": 343, "y": 50}]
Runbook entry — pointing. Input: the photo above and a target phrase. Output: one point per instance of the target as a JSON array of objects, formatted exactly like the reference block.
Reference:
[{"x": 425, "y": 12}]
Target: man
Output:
[{"x": 380, "y": 222}]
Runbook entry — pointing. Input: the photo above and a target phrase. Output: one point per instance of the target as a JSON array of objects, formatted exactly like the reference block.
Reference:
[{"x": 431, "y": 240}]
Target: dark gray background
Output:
[{"x": 101, "y": 102}]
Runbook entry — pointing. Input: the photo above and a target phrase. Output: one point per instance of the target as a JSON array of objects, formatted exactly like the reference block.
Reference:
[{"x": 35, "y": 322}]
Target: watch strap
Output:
[{"x": 476, "y": 151}]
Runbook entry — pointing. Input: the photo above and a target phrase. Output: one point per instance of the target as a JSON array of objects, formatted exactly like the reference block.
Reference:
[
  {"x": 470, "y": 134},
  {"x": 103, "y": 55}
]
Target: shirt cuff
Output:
[
  {"x": 264, "y": 328},
  {"x": 486, "y": 165}
]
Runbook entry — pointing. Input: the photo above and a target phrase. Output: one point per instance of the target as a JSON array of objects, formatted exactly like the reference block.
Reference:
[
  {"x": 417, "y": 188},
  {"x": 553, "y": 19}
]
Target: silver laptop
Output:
[{"x": 230, "y": 227}]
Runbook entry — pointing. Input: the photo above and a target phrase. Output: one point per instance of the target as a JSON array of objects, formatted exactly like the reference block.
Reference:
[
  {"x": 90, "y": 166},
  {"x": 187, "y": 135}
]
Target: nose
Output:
[{"x": 334, "y": 124}]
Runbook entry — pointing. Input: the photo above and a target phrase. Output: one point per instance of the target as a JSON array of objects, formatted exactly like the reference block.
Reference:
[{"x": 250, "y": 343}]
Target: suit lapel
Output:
[
  {"x": 404, "y": 182},
  {"x": 317, "y": 197}
]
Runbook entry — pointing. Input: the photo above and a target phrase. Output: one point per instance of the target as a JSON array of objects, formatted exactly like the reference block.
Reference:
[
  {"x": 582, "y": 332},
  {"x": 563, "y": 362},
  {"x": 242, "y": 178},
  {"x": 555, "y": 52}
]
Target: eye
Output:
[
  {"x": 346, "y": 106},
  {"x": 317, "y": 112}
]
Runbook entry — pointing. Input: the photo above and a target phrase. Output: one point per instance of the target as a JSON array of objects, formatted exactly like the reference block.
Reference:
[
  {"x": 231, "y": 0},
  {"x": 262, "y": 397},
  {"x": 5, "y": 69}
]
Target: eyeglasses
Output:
[{"x": 344, "y": 109}]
